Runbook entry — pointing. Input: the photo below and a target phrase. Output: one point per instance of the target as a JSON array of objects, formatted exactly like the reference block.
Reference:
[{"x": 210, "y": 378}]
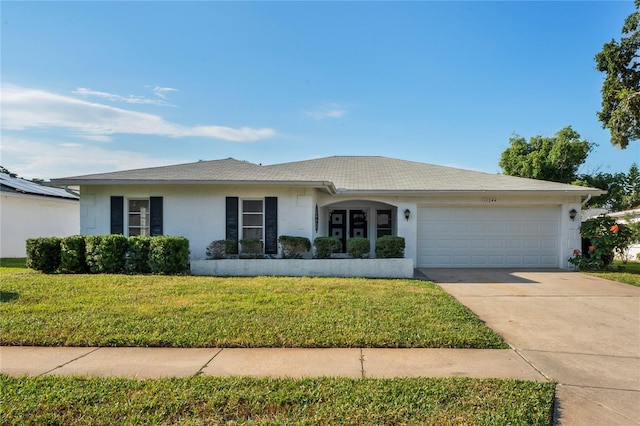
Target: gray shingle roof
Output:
[
  {"x": 389, "y": 174},
  {"x": 365, "y": 173},
  {"x": 19, "y": 185}
]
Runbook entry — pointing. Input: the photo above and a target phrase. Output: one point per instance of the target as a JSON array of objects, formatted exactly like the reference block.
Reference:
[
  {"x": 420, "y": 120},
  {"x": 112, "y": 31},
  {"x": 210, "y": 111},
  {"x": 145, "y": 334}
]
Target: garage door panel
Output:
[{"x": 490, "y": 237}]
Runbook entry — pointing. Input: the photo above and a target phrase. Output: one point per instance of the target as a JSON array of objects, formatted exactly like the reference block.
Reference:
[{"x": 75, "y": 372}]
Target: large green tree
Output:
[
  {"x": 623, "y": 189},
  {"x": 621, "y": 88},
  {"x": 554, "y": 158}
]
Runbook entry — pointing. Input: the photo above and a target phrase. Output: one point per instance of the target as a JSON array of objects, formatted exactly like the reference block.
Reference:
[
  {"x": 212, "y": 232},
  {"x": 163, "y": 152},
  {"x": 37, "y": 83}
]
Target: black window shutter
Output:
[
  {"x": 232, "y": 220},
  {"x": 271, "y": 225},
  {"x": 117, "y": 215},
  {"x": 155, "y": 207}
]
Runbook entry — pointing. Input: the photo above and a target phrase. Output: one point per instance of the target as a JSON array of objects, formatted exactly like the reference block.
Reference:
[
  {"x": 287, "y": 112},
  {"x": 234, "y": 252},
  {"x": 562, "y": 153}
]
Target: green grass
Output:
[
  {"x": 215, "y": 400},
  {"x": 627, "y": 273},
  {"x": 186, "y": 311},
  {"x": 13, "y": 262}
]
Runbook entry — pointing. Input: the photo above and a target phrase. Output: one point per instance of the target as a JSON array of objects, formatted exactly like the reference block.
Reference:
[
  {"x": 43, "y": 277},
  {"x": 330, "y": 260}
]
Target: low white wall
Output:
[{"x": 369, "y": 268}]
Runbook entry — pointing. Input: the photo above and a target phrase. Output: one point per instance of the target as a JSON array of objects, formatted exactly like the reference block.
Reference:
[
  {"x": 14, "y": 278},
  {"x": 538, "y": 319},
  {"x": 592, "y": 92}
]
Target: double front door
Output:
[{"x": 351, "y": 223}]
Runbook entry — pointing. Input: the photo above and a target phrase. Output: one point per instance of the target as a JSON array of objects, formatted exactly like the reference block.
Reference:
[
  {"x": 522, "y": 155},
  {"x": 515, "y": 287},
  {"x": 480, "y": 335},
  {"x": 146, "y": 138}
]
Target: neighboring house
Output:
[
  {"x": 449, "y": 217},
  {"x": 30, "y": 210}
]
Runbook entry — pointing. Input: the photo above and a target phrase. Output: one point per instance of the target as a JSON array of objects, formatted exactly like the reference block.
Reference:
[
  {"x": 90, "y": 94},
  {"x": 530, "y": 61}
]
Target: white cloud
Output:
[
  {"x": 35, "y": 159},
  {"x": 331, "y": 110},
  {"x": 131, "y": 99},
  {"x": 160, "y": 91},
  {"x": 24, "y": 108}
]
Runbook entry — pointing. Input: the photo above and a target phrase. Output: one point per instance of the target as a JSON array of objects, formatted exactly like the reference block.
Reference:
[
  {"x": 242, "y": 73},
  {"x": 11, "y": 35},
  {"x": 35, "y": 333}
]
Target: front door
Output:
[
  {"x": 338, "y": 227},
  {"x": 357, "y": 224}
]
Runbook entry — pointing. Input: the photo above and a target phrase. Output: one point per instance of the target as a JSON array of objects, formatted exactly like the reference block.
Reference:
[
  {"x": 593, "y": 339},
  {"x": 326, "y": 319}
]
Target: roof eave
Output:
[
  {"x": 328, "y": 186},
  {"x": 418, "y": 192}
]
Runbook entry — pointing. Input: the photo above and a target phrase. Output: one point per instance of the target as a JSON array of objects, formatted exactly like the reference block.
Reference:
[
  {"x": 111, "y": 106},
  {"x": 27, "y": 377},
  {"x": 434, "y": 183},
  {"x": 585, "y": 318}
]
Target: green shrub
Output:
[
  {"x": 326, "y": 246},
  {"x": 169, "y": 255},
  {"x": 106, "y": 253},
  {"x": 390, "y": 247},
  {"x": 43, "y": 254},
  {"x": 251, "y": 248},
  {"x": 72, "y": 255},
  {"x": 137, "y": 258},
  {"x": 358, "y": 247},
  {"x": 220, "y": 249},
  {"x": 604, "y": 238},
  {"x": 294, "y": 247}
]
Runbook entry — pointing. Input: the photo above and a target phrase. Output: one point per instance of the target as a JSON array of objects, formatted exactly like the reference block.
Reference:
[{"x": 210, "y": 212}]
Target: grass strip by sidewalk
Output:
[
  {"x": 238, "y": 400},
  {"x": 186, "y": 311}
]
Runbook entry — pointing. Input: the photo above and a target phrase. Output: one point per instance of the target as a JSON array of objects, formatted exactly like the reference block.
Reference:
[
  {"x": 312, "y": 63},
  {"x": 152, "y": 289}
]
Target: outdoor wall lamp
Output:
[
  {"x": 407, "y": 214},
  {"x": 572, "y": 214}
]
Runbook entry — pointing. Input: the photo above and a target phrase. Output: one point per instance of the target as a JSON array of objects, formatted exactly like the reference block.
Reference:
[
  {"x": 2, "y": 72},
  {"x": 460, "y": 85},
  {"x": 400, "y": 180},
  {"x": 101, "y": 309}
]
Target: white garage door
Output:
[{"x": 489, "y": 237}]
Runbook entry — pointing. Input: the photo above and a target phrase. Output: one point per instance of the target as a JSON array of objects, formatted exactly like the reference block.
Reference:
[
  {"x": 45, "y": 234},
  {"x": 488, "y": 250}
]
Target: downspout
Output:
[{"x": 586, "y": 201}]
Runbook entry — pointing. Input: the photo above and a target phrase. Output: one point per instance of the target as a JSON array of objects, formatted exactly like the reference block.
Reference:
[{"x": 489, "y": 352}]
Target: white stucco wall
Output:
[
  {"x": 197, "y": 212},
  {"x": 25, "y": 216}
]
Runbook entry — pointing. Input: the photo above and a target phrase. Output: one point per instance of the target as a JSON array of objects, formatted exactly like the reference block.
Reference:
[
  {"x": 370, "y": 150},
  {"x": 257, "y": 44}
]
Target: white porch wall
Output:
[{"x": 28, "y": 216}]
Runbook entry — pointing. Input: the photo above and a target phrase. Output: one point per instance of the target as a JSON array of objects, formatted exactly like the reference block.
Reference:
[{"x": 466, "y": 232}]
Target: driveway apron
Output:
[{"x": 581, "y": 331}]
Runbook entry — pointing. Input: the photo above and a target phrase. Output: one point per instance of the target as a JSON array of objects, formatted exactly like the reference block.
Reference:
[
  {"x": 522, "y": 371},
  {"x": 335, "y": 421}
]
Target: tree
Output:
[
  {"x": 621, "y": 88},
  {"x": 554, "y": 158},
  {"x": 623, "y": 189},
  {"x": 631, "y": 185}
]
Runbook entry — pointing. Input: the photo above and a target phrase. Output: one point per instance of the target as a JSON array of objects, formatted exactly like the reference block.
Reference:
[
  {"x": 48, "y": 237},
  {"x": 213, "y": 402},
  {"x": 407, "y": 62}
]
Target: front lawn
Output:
[
  {"x": 628, "y": 273},
  {"x": 186, "y": 311},
  {"x": 237, "y": 400}
]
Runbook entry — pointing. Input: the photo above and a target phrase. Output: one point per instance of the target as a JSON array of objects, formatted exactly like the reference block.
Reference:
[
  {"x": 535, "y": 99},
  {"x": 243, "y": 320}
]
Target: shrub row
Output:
[
  {"x": 110, "y": 254},
  {"x": 294, "y": 247}
]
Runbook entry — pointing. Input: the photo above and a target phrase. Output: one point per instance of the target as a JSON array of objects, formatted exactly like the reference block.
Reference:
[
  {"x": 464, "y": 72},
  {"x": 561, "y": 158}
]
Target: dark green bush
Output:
[
  {"x": 326, "y": 246},
  {"x": 389, "y": 247},
  {"x": 72, "y": 255},
  {"x": 294, "y": 247},
  {"x": 358, "y": 247},
  {"x": 137, "y": 259},
  {"x": 106, "y": 253},
  {"x": 43, "y": 254},
  {"x": 169, "y": 255},
  {"x": 220, "y": 249},
  {"x": 251, "y": 248}
]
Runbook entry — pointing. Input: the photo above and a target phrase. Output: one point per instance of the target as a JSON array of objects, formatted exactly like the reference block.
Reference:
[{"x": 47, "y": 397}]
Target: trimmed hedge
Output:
[
  {"x": 390, "y": 247},
  {"x": 107, "y": 254},
  {"x": 326, "y": 246},
  {"x": 72, "y": 255},
  {"x": 294, "y": 247},
  {"x": 358, "y": 247},
  {"x": 137, "y": 258},
  {"x": 169, "y": 255},
  {"x": 251, "y": 248},
  {"x": 43, "y": 254},
  {"x": 220, "y": 249}
]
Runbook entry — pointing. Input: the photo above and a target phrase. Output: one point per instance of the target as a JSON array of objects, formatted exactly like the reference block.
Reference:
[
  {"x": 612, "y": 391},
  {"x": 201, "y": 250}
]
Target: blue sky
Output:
[{"x": 101, "y": 86}]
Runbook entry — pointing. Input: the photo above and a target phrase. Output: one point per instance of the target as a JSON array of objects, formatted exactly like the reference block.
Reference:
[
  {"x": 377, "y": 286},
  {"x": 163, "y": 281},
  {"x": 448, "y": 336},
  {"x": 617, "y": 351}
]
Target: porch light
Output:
[
  {"x": 572, "y": 214},
  {"x": 407, "y": 214}
]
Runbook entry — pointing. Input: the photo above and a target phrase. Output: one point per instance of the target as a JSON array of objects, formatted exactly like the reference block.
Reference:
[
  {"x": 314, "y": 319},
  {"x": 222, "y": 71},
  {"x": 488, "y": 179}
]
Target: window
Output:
[
  {"x": 252, "y": 219},
  {"x": 139, "y": 217},
  {"x": 383, "y": 223}
]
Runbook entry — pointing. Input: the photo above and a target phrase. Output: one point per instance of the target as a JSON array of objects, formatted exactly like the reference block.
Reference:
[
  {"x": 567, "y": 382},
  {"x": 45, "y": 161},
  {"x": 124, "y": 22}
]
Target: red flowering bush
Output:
[{"x": 606, "y": 239}]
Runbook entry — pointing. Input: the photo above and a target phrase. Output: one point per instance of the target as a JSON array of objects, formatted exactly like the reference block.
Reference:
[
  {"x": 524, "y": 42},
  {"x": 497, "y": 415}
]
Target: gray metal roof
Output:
[
  {"x": 23, "y": 186},
  {"x": 348, "y": 174}
]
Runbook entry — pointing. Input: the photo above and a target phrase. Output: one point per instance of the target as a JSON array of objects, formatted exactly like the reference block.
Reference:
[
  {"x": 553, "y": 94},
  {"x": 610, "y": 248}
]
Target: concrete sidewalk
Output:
[{"x": 272, "y": 362}]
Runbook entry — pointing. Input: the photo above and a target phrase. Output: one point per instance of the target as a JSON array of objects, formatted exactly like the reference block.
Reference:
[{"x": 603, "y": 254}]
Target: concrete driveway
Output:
[{"x": 581, "y": 331}]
